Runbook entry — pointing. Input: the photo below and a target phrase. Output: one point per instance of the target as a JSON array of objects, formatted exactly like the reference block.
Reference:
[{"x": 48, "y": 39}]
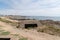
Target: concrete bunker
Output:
[
  {"x": 4, "y": 38},
  {"x": 28, "y": 24},
  {"x": 31, "y": 25}
]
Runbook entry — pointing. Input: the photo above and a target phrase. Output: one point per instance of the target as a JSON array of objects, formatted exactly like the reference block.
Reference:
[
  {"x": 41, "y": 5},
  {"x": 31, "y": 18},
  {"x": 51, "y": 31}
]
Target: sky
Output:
[{"x": 30, "y": 7}]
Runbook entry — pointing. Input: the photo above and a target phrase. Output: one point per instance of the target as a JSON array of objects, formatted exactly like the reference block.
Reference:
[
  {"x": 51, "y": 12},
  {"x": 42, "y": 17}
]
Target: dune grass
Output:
[
  {"x": 4, "y": 20},
  {"x": 50, "y": 30},
  {"x": 23, "y": 39},
  {"x": 5, "y": 33},
  {"x": 7, "y": 21},
  {"x": 15, "y": 34}
]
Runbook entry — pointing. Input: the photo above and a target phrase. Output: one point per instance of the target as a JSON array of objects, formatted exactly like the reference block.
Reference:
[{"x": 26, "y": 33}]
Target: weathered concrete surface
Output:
[{"x": 23, "y": 22}]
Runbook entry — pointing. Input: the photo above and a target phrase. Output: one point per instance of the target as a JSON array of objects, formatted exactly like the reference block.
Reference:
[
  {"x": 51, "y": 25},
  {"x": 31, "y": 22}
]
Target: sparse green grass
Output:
[
  {"x": 4, "y": 20},
  {"x": 23, "y": 39},
  {"x": 5, "y": 33},
  {"x": 14, "y": 24},
  {"x": 7, "y": 21},
  {"x": 2, "y": 30},
  {"x": 15, "y": 34}
]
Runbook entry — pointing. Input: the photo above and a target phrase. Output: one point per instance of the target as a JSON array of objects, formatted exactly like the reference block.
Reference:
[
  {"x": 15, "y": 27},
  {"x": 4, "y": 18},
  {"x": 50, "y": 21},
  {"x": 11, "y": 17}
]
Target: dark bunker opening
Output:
[
  {"x": 31, "y": 25},
  {"x": 4, "y": 38}
]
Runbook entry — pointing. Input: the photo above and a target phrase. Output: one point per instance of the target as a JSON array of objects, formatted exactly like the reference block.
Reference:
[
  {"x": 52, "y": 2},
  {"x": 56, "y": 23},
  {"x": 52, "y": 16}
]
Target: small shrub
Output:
[
  {"x": 5, "y": 33},
  {"x": 23, "y": 39},
  {"x": 40, "y": 30},
  {"x": 15, "y": 34}
]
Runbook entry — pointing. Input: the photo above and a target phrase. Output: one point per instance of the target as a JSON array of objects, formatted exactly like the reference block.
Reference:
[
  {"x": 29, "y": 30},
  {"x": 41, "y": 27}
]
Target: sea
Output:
[
  {"x": 39, "y": 17},
  {"x": 44, "y": 18}
]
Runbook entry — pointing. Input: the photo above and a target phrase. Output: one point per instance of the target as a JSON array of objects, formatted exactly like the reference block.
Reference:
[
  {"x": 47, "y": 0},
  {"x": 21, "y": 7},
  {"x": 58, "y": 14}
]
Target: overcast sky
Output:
[{"x": 30, "y": 7}]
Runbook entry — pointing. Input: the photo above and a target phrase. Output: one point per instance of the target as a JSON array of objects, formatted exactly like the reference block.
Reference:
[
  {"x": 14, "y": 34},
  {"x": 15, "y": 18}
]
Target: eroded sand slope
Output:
[{"x": 31, "y": 35}]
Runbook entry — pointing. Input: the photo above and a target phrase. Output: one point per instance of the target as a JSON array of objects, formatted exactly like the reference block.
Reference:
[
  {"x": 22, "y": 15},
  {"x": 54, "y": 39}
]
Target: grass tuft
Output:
[
  {"x": 50, "y": 30},
  {"x": 23, "y": 39},
  {"x": 5, "y": 33}
]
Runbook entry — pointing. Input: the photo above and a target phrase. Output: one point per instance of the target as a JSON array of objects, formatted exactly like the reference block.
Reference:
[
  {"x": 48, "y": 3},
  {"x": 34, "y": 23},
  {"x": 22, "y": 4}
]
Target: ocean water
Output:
[
  {"x": 44, "y": 18},
  {"x": 38, "y": 17}
]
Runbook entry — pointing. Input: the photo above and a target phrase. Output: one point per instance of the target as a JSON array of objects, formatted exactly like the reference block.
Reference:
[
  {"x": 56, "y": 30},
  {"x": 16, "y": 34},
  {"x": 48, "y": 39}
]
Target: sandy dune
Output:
[{"x": 31, "y": 35}]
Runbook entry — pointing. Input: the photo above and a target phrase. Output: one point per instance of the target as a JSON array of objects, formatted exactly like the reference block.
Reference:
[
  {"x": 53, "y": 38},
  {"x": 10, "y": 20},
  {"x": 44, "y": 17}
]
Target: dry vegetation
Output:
[
  {"x": 6, "y": 32},
  {"x": 8, "y": 21},
  {"x": 50, "y": 27},
  {"x": 23, "y": 38},
  {"x": 47, "y": 27}
]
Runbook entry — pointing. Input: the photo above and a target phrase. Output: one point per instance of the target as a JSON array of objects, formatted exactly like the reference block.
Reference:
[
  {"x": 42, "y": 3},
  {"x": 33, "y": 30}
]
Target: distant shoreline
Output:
[{"x": 36, "y": 17}]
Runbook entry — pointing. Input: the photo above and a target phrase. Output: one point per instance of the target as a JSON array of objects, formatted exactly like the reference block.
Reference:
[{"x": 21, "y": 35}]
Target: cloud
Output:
[
  {"x": 29, "y": 4},
  {"x": 31, "y": 7}
]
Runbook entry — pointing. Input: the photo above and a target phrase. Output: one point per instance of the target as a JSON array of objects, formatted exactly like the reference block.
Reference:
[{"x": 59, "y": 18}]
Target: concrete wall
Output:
[{"x": 22, "y": 23}]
